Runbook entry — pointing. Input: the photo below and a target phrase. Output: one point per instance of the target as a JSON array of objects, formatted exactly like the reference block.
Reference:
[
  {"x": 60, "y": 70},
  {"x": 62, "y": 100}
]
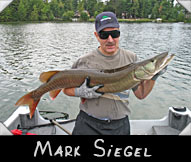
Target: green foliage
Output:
[
  {"x": 181, "y": 16},
  {"x": 34, "y": 14},
  {"x": 42, "y": 10},
  {"x": 67, "y": 16},
  {"x": 22, "y": 12},
  {"x": 90, "y": 6},
  {"x": 84, "y": 16}
]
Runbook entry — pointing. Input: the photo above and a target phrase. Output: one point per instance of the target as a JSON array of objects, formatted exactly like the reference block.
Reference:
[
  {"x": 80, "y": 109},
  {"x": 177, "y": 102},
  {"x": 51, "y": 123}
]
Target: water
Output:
[{"x": 28, "y": 49}]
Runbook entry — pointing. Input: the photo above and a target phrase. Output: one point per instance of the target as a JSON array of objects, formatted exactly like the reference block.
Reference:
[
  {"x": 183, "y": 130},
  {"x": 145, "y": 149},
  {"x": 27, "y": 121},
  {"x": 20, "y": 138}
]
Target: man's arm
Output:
[
  {"x": 144, "y": 88},
  {"x": 69, "y": 91}
]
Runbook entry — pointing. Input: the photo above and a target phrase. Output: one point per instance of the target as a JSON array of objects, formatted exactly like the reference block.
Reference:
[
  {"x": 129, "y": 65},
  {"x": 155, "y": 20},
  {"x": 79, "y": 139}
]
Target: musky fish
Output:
[{"x": 113, "y": 80}]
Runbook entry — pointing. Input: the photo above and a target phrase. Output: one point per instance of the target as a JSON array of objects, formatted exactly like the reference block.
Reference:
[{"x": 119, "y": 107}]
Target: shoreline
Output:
[{"x": 144, "y": 20}]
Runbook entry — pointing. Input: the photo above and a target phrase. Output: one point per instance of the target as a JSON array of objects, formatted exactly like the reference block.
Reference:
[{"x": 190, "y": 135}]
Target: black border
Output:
[{"x": 22, "y": 148}]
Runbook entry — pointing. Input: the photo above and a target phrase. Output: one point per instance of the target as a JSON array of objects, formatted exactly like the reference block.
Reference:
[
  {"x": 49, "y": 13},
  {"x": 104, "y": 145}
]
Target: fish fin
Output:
[
  {"x": 28, "y": 100},
  {"x": 45, "y": 76},
  {"x": 54, "y": 93}
]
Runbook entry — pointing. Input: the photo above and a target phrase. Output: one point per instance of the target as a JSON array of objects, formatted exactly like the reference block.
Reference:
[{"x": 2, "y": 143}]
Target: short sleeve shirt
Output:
[{"x": 111, "y": 106}]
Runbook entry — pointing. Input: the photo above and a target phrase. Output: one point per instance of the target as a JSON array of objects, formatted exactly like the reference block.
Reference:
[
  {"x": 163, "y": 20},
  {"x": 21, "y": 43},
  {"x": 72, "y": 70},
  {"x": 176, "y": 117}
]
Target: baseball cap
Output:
[{"x": 106, "y": 20}]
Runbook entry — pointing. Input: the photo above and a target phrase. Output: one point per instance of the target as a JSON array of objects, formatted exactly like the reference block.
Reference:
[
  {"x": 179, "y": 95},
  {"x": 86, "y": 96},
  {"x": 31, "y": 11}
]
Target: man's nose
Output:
[{"x": 110, "y": 39}]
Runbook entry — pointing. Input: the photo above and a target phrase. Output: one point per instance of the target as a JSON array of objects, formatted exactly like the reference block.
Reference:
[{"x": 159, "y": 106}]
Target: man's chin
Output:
[{"x": 111, "y": 50}]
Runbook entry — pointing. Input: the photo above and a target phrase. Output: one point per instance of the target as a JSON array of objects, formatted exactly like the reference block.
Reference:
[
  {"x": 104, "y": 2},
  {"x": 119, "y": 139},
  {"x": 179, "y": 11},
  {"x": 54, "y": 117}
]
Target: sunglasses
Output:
[{"x": 106, "y": 34}]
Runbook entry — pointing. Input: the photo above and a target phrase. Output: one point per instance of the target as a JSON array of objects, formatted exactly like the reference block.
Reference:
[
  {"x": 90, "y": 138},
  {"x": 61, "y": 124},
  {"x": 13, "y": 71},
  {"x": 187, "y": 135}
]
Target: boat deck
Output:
[{"x": 177, "y": 122}]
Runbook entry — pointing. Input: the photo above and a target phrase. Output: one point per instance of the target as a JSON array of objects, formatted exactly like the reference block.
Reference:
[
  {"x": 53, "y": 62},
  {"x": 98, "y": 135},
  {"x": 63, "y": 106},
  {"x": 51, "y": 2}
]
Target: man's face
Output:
[{"x": 110, "y": 45}]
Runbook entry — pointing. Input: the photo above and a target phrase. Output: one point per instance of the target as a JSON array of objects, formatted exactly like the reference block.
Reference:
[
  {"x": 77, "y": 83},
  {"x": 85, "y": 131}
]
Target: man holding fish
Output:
[
  {"x": 102, "y": 79},
  {"x": 106, "y": 113}
]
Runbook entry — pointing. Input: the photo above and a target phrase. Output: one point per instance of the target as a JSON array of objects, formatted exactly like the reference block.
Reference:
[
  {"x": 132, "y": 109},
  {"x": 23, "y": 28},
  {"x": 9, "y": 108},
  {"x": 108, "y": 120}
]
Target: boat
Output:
[{"x": 176, "y": 122}]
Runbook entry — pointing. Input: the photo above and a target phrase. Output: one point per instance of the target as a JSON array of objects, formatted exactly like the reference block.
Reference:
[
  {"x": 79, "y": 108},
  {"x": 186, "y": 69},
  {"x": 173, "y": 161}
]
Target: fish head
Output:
[{"x": 147, "y": 69}]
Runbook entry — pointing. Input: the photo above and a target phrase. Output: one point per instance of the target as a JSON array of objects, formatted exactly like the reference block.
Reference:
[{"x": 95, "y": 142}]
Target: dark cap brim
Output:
[{"x": 110, "y": 25}]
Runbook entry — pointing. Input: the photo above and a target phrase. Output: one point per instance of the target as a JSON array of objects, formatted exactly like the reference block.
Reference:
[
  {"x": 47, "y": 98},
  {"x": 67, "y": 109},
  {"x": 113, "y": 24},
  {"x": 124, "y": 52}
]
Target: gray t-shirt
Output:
[{"x": 108, "y": 106}]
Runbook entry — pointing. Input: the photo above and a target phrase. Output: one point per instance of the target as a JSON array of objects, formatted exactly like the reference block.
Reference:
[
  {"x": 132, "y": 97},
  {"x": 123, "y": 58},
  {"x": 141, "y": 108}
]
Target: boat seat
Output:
[
  {"x": 26, "y": 121},
  {"x": 165, "y": 130}
]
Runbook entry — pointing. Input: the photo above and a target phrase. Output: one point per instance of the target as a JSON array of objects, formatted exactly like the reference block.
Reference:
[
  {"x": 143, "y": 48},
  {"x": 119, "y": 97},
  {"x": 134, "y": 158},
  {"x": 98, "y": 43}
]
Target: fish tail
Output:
[{"x": 28, "y": 100}]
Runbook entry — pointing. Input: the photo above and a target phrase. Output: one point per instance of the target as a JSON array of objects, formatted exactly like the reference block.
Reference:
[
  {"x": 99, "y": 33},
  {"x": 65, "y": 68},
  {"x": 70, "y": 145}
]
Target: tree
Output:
[
  {"x": 164, "y": 10},
  {"x": 135, "y": 9},
  {"x": 45, "y": 13},
  {"x": 68, "y": 15},
  {"x": 181, "y": 17},
  {"x": 155, "y": 11},
  {"x": 128, "y": 11},
  {"x": 34, "y": 14},
  {"x": 75, "y": 5},
  {"x": 6, "y": 15},
  {"x": 21, "y": 11},
  {"x": 90, "y": 6},
  {"x": 84, "y": 16},
  {"x": 99, "y": 8},
  {"x": 111, "y": 6},
  {"x": 144, "y": 8},
  {"x": 120, "y": 7},
  {"x": 67, "y": 5},
  {"x": 81, "y": 6},
  {"x": 54, "y": 8}
]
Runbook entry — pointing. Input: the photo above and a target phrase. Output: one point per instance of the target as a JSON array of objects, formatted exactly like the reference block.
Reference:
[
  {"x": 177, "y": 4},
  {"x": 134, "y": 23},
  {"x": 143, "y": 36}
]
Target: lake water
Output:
[{"x": 28, "y": 49}]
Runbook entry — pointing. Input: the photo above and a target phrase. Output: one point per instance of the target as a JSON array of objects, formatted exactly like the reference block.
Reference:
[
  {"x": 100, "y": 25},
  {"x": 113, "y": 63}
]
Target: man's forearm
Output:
[{"x": 69, "y": 91}]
